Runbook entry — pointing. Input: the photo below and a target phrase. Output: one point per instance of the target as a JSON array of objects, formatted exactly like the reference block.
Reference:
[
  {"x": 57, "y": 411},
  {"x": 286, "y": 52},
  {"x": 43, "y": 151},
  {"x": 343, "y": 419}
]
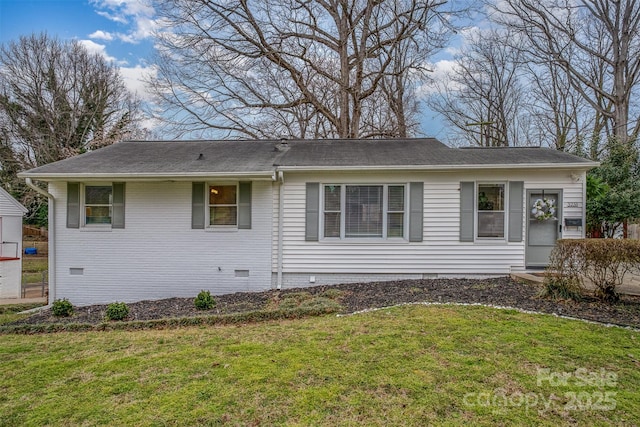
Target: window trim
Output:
[
  {"x": 83, "y": 205},
  {"x": 385, "y": 211},
  {"x": 505, "y": 211},
  {"x": 207, "y": 211}
]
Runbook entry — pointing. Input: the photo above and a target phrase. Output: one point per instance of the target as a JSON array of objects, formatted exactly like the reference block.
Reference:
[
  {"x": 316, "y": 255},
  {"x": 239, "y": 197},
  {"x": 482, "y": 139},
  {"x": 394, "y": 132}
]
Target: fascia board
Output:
[
  {"x": 528, "y": 166},
  {"x": 183, "y": 176}
]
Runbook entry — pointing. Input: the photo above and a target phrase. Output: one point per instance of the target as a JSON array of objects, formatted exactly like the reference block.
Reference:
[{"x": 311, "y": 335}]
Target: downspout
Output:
[
  {"x": 584, "y": 205},
  {"x": 280, "y": 230},
  {"x": 52, "y": 240}
]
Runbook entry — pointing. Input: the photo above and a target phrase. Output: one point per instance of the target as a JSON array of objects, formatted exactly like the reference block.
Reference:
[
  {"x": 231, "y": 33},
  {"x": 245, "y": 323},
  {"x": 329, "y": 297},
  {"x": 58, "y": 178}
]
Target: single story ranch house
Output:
[{"x": 156, "y": 219}]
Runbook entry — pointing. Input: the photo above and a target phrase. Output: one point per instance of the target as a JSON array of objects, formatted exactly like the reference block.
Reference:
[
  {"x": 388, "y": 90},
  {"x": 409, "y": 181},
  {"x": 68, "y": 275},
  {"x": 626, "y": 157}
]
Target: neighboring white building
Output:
[
  {"x": 150, "y": 220},
  {"x": 11, "y": 213}
]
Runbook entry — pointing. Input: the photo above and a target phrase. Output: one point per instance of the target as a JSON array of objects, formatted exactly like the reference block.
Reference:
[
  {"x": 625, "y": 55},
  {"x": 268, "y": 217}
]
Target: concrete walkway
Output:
[
  {"x": 13, "y": 301},
  {"x": 631, "y": 285},
  {"x": 33, "y": 294}
]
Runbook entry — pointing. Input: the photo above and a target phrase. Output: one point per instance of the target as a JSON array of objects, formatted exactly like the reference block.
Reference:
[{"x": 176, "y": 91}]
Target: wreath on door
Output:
[{"x": 543, "y": 209}]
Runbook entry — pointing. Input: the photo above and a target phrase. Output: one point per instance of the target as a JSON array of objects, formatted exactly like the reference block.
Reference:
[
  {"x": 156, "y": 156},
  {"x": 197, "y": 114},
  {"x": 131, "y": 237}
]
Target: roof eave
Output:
[
  {"x": 153, "y": 176},
  {"x": 13, "y": 201},
  {"x": 446, "y": 167},
  {"x": 269, "y": 175}
]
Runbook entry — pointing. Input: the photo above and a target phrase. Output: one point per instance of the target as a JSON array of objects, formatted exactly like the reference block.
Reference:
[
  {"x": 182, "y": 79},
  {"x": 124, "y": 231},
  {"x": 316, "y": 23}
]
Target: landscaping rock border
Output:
[{"x": 501, "y": 291}]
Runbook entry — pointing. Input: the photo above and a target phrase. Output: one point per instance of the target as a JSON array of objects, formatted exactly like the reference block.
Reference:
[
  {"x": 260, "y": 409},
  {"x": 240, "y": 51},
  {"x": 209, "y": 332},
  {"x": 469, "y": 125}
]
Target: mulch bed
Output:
[{"x": 361, "y": 296}]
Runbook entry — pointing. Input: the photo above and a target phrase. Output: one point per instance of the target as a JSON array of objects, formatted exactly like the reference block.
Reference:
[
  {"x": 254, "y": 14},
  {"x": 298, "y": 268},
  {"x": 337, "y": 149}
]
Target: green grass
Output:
[
  {"x": 412, "y": 365},
  {"x": 10, "y": 313},
  {"x": 33, "y": 268},
  {"x": 34, "y": 264}
]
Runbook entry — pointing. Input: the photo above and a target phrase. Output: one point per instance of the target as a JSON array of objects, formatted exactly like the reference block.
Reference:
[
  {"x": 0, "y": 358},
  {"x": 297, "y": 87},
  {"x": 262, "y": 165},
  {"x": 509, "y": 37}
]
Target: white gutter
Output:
[
  {"x": 447, "y": 168},
  {"x": 147, "y": 176},
  {"x": 280, "y": 230},
  {"x": 583, "y": 178},
  {"x": 52, "y": 239}
]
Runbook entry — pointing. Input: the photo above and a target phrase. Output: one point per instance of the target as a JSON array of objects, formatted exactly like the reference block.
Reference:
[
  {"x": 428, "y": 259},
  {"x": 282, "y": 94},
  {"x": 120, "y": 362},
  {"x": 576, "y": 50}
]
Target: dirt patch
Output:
[{"x": 359, "y": 296}]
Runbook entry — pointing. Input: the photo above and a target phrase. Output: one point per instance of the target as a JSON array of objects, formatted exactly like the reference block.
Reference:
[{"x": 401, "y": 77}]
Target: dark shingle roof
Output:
[{"x": 192, "y": 158}]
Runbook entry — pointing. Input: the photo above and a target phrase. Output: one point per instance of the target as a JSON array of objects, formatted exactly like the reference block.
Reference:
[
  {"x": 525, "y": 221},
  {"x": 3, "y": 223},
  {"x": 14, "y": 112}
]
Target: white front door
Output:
[{"x": 543, "y": 225}]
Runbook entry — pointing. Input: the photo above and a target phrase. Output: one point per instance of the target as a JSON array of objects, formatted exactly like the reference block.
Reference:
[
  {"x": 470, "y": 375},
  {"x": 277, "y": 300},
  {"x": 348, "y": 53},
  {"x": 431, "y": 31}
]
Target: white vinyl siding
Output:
[
  {"x": 10, "y": 206},
  {"x": 440, "y": 252}
]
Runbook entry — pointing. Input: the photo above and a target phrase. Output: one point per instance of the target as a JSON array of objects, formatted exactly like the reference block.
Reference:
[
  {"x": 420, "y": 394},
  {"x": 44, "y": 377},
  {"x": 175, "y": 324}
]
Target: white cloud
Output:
[
  {"x": 101, "y": 35},
  {"x": 134, "y": 79},
  {"x": 112, "y": 17},
  {"x": 438, "y": 76},
  {"x": 452, "y": 50},
  {"x": 100, "y": 49},
  {"x": 138, "y": 15}
]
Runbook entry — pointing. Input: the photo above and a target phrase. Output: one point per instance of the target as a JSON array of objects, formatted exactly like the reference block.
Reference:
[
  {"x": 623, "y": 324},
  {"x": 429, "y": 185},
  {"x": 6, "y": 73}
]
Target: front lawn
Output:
[
  {"x": 411, "y": 365},
  {"x": 11, "y": 312}
]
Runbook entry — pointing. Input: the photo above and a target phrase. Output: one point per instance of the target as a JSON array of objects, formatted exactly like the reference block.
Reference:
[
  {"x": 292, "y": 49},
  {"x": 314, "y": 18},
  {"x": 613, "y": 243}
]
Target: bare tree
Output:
[
  {"x": 560, "y": 118},
  {"x": 595, "y": 42},
  {"x": 57, "y": 100},
  {"x": 481, "y": 96},
  {"x": 296, "y": 68}
]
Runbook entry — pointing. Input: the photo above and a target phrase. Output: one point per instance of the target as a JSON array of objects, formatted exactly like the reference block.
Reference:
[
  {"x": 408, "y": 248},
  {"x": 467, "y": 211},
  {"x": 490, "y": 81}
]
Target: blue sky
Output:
[{"x": 121, "y": 30}]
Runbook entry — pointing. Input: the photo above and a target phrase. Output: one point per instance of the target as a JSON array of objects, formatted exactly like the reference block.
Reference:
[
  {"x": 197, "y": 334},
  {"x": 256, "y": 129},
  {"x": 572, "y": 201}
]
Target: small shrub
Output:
[
  {"x": 559, "y": 287},
  {"x": 333, "y": 293},
  {"x": 117, "y": 311},
  {"x": 62, "y": 308},
  {"x": 204, "y": 301},
  {"x": 288, "y": 300},
  {"x": 320, "y": 303}
]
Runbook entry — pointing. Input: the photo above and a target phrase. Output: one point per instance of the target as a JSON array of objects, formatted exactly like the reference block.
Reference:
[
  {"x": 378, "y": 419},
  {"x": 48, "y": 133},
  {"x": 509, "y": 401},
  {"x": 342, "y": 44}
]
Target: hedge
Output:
[{"x": 604, "y": 262}]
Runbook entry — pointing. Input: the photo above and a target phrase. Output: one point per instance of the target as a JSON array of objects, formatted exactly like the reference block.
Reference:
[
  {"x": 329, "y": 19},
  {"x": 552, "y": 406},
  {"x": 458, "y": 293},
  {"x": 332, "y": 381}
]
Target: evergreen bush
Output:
[
  {"x": 204, "y": 301},
  {"x": 117, "y": 311}
]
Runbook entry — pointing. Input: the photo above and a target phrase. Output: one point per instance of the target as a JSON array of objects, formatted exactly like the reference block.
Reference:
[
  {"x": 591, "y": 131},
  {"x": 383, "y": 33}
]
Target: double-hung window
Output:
[
  {"x": 364, "y": 211},
  {"x": 95, "y": 205},
  {"x": 223, "y": 205},
  {"x": 491, "y": 210},
  {"x": 217, "y": 206},
  {"x": 98, "y": 204}
]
